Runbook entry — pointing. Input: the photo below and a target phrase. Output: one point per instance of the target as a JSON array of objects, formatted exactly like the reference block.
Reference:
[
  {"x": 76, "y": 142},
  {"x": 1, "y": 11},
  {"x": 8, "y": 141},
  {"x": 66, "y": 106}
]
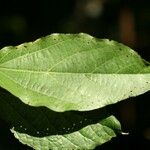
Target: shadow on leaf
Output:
[{"x": 41, "y": 121}]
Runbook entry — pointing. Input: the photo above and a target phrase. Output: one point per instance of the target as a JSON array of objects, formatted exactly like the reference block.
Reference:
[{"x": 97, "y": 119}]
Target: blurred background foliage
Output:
[{"x": 126, "y": 21}]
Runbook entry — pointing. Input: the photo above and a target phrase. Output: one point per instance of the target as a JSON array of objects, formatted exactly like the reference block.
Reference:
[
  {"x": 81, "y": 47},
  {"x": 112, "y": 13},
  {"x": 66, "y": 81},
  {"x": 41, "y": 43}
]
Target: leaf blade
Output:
[
  {"x": 87, "y": 138},
  {"x": 73, "y": 72}
]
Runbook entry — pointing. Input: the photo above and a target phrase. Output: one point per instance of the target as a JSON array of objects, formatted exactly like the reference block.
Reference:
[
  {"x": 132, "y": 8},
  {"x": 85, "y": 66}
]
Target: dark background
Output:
[{"x": 126, "y": 21}]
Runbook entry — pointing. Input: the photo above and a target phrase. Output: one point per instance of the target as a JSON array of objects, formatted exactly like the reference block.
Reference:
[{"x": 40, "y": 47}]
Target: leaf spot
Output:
[{"x": 25, "y": 46}]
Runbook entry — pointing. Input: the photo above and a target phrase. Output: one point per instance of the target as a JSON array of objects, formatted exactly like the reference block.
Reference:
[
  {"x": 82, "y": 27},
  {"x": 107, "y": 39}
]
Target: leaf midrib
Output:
[{"x": 53, "y": 72}]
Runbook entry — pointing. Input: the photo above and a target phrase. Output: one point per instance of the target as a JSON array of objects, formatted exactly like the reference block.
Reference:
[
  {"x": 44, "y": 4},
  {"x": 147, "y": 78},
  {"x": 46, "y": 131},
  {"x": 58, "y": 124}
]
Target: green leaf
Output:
[
  {"x": 73, "y": 72},
  {"x": 87, "y": 138},
  {"x": 41, "y": 128}
]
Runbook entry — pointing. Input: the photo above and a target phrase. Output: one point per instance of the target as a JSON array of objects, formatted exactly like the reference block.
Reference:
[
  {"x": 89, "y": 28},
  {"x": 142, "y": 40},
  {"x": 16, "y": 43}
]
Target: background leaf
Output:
[
  {"x": 73, "y": 72},
  {"x": 87, "y": 138}
]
